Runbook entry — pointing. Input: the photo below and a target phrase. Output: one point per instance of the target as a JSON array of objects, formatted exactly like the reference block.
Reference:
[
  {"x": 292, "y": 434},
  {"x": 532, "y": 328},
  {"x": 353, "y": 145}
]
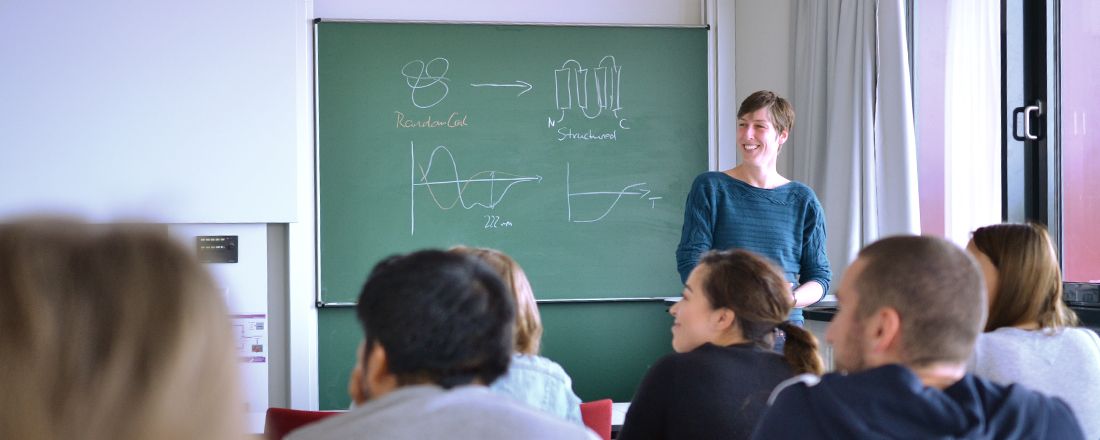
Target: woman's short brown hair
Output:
[
  {"x": 111, "y": 332},
  {"x": 780, "y": 110},
  {"x": 1029, "y": 278},
  {"x": 528, "y": 328}
]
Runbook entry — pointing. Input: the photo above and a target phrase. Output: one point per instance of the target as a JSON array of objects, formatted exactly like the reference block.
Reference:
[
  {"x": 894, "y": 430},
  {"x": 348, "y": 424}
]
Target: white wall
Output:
[
  {"x": 175, "y": 111},
  {"x": 245, "y": 286},
  {"x": 765, "y": 54},
  {"x": 669, "y": 12}
]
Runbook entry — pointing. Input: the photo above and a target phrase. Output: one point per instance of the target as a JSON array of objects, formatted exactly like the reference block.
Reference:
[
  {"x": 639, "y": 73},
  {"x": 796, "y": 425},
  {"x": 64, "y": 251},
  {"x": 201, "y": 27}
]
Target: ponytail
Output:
[{"x": 800, "y": 350}]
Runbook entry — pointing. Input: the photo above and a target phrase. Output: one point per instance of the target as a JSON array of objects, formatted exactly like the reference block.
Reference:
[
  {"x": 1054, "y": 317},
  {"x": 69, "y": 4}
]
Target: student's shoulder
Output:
[
  {"x": 702, "y": 355},
  {"x": 1013, "y": 397},
  {"x": 793, "y": 390},
  {"x": 336, "y": 427},
  {"x": 856, "y": 387},
  {"x": 1010, "y": 338},
  {"x": 671, "y": 363},
  {"x": 1083, "y": 336},
  {"x": 676, "y": 367},
  {"x": 537, "y": 362},
  {"x": 1049, "y": 416},
  {"x": 538, "y": 367},
  {"x": 514, "y": 420},
  {"x": 788, "y": 414}
]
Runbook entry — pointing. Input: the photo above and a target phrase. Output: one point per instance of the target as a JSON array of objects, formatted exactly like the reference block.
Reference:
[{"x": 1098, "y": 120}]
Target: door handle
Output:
[{"x": 1037, "y": 109}]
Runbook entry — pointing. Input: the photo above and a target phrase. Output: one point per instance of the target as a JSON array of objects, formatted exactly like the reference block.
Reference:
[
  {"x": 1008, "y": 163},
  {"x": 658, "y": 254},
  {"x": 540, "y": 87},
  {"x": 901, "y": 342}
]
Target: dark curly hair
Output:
[{"x": 441, "y": 317}]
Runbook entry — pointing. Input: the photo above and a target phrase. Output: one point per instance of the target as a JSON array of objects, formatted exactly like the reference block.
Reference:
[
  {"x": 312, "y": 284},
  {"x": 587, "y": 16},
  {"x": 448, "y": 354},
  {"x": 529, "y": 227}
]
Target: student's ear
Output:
[
  {"x": 378, "y": 377},
  {"x": 781, "y": 138},
  {"x": 725, "y": 319},
  {"x": 357, "y": 389},
  {"x": 886, "y": 334}
]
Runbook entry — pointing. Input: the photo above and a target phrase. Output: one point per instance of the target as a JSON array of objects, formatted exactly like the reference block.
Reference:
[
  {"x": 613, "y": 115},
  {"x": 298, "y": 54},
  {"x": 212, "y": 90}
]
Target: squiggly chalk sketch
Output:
[
  {"x": 433, "y": 74},
  {"x": 572, "y": 87}
]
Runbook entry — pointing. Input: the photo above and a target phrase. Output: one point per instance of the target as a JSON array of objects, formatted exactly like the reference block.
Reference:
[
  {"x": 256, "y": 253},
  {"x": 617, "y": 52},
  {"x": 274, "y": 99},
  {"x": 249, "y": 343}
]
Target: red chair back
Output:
[
  {"x": 597, "y": 417},
  {"x": 281, "y": 421}
]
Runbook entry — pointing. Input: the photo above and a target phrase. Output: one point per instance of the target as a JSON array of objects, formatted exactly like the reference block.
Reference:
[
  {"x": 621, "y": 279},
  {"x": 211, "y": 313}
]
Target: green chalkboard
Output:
[{"x": 570, "y": 148}]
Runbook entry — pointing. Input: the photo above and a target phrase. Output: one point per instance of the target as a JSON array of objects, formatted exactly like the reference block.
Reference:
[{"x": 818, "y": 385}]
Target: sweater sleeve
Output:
[
  {"x": 646, "y": 418},
  {"x": 697, "y": 235},
  {"x": 814, "y": 265}
]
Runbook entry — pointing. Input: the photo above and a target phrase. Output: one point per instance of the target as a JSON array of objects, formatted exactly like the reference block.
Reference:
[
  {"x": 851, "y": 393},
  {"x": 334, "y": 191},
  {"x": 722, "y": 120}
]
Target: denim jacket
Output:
[{"x": 542, "y": 384}]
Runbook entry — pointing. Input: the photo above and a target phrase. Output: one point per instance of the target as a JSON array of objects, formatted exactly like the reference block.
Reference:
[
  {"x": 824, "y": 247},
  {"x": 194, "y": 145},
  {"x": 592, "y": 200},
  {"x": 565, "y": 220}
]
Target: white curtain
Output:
[
  {"x": 853, "y": 139},
  {"x": 972, "y": 125}
]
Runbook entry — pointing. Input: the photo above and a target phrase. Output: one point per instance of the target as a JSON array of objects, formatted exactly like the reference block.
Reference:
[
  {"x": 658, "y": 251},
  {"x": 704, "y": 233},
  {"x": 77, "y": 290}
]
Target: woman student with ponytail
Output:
[{"x": 717, "y": 383}]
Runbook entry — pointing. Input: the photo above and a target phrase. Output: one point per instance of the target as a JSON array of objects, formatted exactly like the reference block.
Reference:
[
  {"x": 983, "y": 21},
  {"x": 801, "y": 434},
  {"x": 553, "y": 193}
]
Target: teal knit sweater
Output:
[{"x": 785, "y": 224}]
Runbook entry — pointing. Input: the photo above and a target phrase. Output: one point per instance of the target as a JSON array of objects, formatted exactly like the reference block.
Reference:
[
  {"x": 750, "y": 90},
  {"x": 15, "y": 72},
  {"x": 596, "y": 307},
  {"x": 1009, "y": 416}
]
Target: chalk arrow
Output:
[{"x": 525, "y": 85}]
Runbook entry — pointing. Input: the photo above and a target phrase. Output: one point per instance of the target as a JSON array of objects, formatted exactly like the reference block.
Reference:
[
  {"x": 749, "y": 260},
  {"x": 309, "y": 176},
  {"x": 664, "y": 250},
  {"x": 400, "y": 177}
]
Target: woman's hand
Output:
[{"x": 808, "y": 294}]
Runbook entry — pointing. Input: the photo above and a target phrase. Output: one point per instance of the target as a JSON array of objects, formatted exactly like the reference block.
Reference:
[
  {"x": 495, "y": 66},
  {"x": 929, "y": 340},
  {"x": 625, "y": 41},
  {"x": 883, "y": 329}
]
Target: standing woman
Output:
[
  {"x": 752, "y": 207},
  {"x": 717, "y": 383},
  {"x": 1030, "y": 336}
]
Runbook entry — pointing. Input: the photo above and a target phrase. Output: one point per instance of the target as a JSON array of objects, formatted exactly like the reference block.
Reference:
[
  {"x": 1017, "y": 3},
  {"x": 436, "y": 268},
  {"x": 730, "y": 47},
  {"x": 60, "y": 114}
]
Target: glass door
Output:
[{"x": 1029, "y": 103}]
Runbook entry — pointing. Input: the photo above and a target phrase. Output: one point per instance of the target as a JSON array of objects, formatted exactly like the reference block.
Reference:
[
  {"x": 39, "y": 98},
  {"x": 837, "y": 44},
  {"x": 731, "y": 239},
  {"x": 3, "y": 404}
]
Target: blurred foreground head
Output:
[{"x": 111, "y": 332}]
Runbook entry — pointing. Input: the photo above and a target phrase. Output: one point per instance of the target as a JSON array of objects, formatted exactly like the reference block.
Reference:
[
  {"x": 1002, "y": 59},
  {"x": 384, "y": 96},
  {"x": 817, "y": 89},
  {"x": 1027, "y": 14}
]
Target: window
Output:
[
  {"x": 1045, "y": 156},
  {"x": 956, "y": 66},
  {"x": 1079, "y": 34}
]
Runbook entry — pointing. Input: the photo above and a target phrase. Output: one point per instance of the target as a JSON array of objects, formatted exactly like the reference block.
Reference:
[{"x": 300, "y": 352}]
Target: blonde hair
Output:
[
  {"x": 528, "y": 328},
  {"x": 1029, "y": 286},
  {"x": 111, "y": 332}
]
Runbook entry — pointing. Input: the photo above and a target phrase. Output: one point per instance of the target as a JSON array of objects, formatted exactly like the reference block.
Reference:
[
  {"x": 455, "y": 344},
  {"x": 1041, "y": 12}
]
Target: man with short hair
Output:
[
  {"x": 438, "y": 329},
  {"x": 910, "y": 309}
]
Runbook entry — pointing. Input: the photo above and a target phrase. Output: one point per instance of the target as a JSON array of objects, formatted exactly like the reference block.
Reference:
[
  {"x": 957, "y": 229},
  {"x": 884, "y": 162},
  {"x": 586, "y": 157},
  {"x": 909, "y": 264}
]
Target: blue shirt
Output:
[{"x": 785, "y": 224}]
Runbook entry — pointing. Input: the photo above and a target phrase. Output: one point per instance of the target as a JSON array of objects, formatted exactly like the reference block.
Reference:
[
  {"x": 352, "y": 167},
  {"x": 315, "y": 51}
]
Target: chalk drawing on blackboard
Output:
[
  {"x": 526, "y": 86},
  {"x": 608, "y": 199},
  {"x": 483, "y": 189},
  {"x": 427, "y": 80},
  {"x": 573, "y": 90}
]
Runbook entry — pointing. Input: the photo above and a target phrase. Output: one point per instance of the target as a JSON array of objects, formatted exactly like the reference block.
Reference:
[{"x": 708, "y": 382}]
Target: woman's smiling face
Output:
[
  {"x": 757, "y": 138},
  {"x": 696, "y": 319}
]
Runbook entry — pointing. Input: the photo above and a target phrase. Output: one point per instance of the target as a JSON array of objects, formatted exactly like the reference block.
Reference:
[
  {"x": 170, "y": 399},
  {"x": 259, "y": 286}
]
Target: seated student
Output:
[
  {"x": 438, "y": 328},
  {"x": 1030, "y": 336},
  {"x": 910, "y": 309},
  {"x": 532, "y": 379},
  {"x": 111, "y": 332},
  {"x": 718, "y": 381}
]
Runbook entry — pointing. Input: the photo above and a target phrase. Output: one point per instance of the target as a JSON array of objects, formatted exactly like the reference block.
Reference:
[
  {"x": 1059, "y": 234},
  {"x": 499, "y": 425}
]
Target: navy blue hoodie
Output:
[{"x": 891, "y": 402}]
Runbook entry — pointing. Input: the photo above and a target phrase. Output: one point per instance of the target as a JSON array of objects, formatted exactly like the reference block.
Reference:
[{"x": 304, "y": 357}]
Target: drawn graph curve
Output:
[
  {"x": 483, "y": 189},
  {"x": 634, "y": 189}
]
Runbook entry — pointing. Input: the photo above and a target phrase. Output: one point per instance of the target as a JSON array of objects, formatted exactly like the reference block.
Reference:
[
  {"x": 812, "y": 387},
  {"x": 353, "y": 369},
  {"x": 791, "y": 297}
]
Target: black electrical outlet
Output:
[{"x": 217, "y": 248}]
